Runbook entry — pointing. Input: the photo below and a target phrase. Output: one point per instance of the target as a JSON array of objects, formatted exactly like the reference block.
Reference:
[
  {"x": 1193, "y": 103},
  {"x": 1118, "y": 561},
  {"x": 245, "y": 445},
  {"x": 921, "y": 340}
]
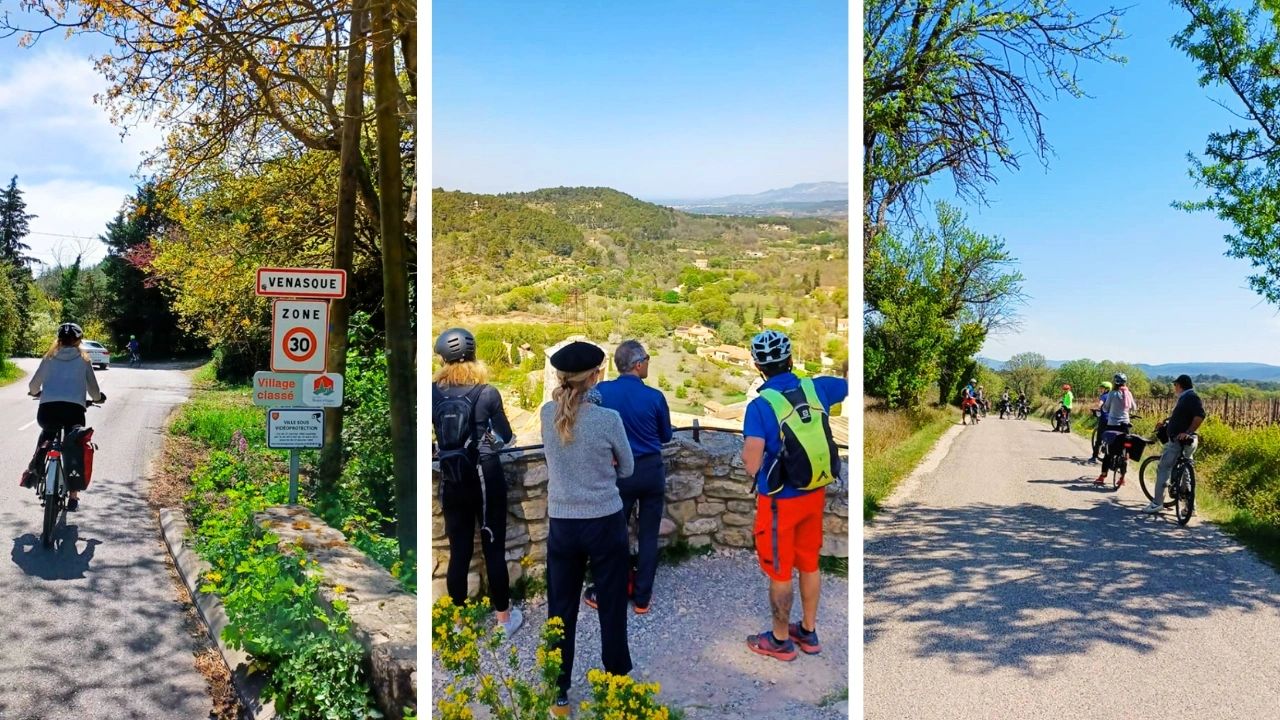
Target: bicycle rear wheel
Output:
[
  {"x": 1184, "y": 482},
  {"x": 52, "y": 507},
  {"x": 1147, "y": 477}
]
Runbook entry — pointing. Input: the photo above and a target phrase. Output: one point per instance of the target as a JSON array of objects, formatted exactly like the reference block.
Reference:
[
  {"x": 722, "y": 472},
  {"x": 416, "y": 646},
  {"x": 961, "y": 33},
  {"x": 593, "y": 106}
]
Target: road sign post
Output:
[{"x": 299, "y": 335}]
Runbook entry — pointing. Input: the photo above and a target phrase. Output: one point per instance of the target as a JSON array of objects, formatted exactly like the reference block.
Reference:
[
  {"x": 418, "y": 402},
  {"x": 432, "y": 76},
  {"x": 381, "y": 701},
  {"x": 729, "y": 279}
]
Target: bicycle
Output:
[
  {"x": 135, "y": 360},
  {"x": 54, "y": 491},
  {"x": 1061, "y": 421},
  {"x": 1119, "y": 450},
  {"x": 969, "y": 410},
  {"x": 1182, "y": 482},
  {"x": 1006, "y": 408},
  {"x": 1096, "y": 437},
  {"x": 1023, "y": 410}
]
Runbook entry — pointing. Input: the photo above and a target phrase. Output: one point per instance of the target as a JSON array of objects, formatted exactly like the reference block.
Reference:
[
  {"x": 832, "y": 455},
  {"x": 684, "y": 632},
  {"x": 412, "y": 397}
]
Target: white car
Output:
[{"x": 98, "y": 353}]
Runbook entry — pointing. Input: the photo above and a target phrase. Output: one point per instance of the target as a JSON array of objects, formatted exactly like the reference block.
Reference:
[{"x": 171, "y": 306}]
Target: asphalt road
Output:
[
  {"x": 1003, "y": 584},
  {"x": 91, "y": 628}
]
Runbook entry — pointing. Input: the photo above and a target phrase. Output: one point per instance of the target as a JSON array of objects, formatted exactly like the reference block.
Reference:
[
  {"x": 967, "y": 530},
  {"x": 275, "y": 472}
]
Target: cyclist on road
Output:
[
  {"x": 1180, "y": 426},
  {"x": 1119, "y": 406},
  {"x": 1067, "y": 400},
  {"x": 1105, "y": 387},
  {"x": 1004, "y": 401},
  {"x": 62, "y": 382},
  {"x": 133, "y": 349}
]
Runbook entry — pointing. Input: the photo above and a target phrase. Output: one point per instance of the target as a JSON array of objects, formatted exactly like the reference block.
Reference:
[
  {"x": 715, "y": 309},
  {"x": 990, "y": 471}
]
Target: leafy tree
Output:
[
  {"x": 949, "y": 83},
  {"x": 1238, "y": 51},
  {"x": 1028, "y": 372},
  {"x": 136, "y": 304},
  {"x": 950, "y": 284}
]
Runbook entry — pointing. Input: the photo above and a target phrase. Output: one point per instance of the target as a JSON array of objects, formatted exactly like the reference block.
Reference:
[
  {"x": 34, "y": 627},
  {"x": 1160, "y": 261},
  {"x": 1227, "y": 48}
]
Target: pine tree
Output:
[
  {"x": 69, "y": 292},
  {"x": 14, "y": 226},
  {"x": 133, "y": 305}
]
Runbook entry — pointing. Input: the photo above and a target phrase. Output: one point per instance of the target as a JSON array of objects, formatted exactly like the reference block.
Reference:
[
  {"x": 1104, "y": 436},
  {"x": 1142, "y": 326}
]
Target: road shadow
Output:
[
  {"x": 1072, "y": 459},
  {"x": 990, "y": 587},
  {"x": 66, "y": 560}
]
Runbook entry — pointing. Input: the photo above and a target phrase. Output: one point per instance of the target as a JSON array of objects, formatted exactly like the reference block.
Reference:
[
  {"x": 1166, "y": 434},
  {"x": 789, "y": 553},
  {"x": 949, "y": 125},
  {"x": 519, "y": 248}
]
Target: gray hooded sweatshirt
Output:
[{"x": 65, "y": 377}]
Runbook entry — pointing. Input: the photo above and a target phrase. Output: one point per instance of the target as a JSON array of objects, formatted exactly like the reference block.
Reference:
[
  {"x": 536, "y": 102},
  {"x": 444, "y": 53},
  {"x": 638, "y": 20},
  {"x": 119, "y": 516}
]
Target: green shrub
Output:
[
  {"x": 214, "y": 418},
  {"x": 1247, "y": 476}
]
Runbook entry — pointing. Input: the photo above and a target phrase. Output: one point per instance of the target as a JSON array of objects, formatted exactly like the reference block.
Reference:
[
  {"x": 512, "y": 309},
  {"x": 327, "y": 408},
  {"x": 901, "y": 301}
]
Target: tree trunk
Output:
[
  {"x": 401, "y": 380},
  {"x": 343, "y": 250}
]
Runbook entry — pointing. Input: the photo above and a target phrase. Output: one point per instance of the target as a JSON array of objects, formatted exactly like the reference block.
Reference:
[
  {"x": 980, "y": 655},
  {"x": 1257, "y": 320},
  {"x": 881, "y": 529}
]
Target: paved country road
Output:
[
  {"x": 92, "y": 628},
  {"x": 1005, "y": 585}
]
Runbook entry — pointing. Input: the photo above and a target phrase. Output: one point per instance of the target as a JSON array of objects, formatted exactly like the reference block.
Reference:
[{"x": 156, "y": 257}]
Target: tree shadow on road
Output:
[{"x": 1017, "y": 587}]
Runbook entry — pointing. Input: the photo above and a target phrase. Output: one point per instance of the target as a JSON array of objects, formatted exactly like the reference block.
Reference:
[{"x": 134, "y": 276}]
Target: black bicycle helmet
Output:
[
  {"x": 456, "y": 345},
  {"x": 770, "y": 346},
  {"x": 1120, "y": 379},
  {"x": 69, "y": 331}
]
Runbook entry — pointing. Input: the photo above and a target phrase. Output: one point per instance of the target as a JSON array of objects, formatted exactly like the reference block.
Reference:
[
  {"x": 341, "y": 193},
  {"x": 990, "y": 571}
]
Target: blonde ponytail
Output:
[{"x": 569, "y": 397}]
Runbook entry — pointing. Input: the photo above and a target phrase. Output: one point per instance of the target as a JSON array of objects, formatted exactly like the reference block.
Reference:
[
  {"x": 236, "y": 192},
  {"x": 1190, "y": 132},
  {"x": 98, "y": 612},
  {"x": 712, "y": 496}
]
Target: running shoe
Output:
[
  {"x": 808, "y": 641},
  {"x": 589, "y": 597},
  {"x": 765, "y": 644},
  {"x": 561, "y": 707}
]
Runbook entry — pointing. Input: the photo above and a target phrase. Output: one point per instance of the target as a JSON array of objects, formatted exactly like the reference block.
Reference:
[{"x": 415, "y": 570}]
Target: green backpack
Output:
[{"x": 809, "y": 459}]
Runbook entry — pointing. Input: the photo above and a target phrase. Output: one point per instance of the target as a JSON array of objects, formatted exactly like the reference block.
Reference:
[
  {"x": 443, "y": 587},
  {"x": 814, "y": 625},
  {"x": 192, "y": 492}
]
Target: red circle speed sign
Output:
[{"x": 299, "y": 344}]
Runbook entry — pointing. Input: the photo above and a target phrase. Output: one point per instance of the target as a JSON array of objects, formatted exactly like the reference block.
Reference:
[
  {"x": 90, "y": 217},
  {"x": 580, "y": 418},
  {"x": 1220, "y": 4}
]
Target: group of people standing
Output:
[{"x": 603, "y": 447}]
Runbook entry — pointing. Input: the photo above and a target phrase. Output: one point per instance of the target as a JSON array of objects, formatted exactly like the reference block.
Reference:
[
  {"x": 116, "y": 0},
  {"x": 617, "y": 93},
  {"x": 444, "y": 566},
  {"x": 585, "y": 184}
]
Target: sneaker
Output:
[
  {"x": 28, "y": 479},
  {"x": 642, "y": 609},
  {"x": 765, "y": 644},
  {"x": 73, "y": 504},
  {"x": 513, "y": 622},
  {"x": 808, "y": 641},
  {"x": 1120, "y": 482},
  {"x": 1102, "y": 479},
  {"x": 1093, "y": 461},
  {"x": 561, "y": 706},
  {"x": 589, "y": 597},
  {"x": 1152, "y": 508}
]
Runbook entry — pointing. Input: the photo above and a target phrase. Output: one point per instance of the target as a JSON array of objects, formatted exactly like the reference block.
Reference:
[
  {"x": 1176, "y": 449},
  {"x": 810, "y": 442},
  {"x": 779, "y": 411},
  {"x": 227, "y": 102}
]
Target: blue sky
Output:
[
  {"x": 72, "y": 166},
  {"x": 659, "y": 99},
  {"x": 1096, "y": 235}
]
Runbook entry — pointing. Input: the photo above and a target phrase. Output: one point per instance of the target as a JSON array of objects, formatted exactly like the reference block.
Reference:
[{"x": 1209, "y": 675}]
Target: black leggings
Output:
[
  {"x": 464, "y": 504},
  {"x": 54, "y": 417}
]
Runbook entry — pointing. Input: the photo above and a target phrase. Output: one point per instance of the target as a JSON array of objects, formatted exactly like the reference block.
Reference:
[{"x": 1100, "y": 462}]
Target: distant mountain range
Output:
[
  {"x": 1257, "y": 372},
  {"x": 820, "y": 199}
]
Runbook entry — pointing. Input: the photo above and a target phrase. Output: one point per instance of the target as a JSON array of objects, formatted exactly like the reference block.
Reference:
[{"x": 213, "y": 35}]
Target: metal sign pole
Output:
[{"x": 293, "y": 477}]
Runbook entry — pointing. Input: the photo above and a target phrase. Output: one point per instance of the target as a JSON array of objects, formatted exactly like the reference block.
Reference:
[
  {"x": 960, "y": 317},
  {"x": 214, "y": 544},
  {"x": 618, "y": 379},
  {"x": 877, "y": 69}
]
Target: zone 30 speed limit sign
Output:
[{"x": 299, "y": 331}]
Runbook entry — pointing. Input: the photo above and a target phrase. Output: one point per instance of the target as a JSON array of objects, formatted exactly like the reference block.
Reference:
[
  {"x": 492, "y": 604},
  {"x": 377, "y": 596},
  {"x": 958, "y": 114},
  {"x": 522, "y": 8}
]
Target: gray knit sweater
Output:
[
  {"x": 65, "y": 377},
  {"x": 583, "y": 477}
]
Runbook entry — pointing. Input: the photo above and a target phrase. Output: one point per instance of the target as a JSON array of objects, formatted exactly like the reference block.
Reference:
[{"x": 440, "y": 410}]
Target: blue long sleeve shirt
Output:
[{"x": 644, "y": 412}]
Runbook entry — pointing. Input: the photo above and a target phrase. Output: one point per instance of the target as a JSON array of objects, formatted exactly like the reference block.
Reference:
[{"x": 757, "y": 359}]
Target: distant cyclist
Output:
[
  {"x": 63, "y": 381},
  {"x": 1119, "y": 406},
  {"x": 134, "y": 346},
  {"x": 1105, "y": 388},
  {"x": 1004, "y": 402},
  {"x": 1067, "y": 400},
  {"x": 1180, "y": 426}
]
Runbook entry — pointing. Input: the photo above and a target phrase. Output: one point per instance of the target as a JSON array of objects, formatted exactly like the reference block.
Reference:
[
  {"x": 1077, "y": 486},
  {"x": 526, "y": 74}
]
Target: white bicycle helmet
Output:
[{"x": 770, "y": 346}]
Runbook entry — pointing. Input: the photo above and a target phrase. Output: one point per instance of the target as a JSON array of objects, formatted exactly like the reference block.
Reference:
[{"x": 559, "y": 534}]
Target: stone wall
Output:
[{"x": 708, "y": 503}]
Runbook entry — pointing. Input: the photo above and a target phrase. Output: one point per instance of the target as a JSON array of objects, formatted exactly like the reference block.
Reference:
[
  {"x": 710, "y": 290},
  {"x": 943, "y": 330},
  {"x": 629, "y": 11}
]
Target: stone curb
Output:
[{"x": 248, "y": 687}]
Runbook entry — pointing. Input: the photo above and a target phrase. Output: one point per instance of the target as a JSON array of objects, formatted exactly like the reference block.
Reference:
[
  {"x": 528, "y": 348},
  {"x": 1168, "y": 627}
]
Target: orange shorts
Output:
[{"x": 796, "y": 538}]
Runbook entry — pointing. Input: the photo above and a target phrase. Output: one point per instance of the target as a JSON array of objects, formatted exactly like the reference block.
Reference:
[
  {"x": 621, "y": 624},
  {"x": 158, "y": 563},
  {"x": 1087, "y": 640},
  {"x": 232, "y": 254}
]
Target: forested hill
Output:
[{"x": 597, "y": 240}]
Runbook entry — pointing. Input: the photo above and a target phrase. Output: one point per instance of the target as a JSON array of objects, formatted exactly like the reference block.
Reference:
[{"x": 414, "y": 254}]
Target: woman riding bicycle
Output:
[{"x": 63, "y": 381}]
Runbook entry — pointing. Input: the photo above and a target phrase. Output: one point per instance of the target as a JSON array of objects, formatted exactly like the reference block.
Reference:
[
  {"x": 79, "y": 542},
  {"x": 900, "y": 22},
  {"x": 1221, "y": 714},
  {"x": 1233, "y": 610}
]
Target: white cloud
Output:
[
  {"x": 71, "y": 214},
  {"x": 53, "y": 129}
]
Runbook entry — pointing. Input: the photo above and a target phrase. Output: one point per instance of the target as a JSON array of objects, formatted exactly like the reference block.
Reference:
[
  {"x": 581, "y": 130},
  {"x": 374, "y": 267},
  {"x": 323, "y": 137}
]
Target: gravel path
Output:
[
  {"x": 1003, "y": 584},
  {"x": 693, "y": 642}
]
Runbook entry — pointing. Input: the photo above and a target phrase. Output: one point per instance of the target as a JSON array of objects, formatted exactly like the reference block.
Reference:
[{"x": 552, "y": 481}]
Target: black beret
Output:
[{"x": 577, "y": 357}]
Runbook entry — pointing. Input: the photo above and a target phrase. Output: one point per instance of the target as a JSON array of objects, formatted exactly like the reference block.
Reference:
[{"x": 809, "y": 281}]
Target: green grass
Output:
[
  {"x": 213, "y": 415},
  {"x": 833, "y": 697},
  {"x": 680, "y": 551},
  {"x": 894, "y": 443},
  {"x": 10, "y": 373},
  {"x": 831, "y": 565}
]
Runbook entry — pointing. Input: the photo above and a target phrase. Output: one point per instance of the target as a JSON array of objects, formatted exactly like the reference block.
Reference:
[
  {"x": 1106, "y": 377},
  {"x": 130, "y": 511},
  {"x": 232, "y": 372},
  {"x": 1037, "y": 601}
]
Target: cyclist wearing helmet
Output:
[
  {"x": 1105, "y": 387},
  {"x": 460, "y": 387},
  {"x": 788, "y": 523},
  {"x": 63, "y": 381},
  {"x": 133, "y": 348},
  {"x": 1119, "y": 405}
]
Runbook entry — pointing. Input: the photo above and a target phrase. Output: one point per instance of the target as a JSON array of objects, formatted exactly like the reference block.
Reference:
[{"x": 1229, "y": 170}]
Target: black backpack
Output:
[{"x": 454, "y": 421}]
